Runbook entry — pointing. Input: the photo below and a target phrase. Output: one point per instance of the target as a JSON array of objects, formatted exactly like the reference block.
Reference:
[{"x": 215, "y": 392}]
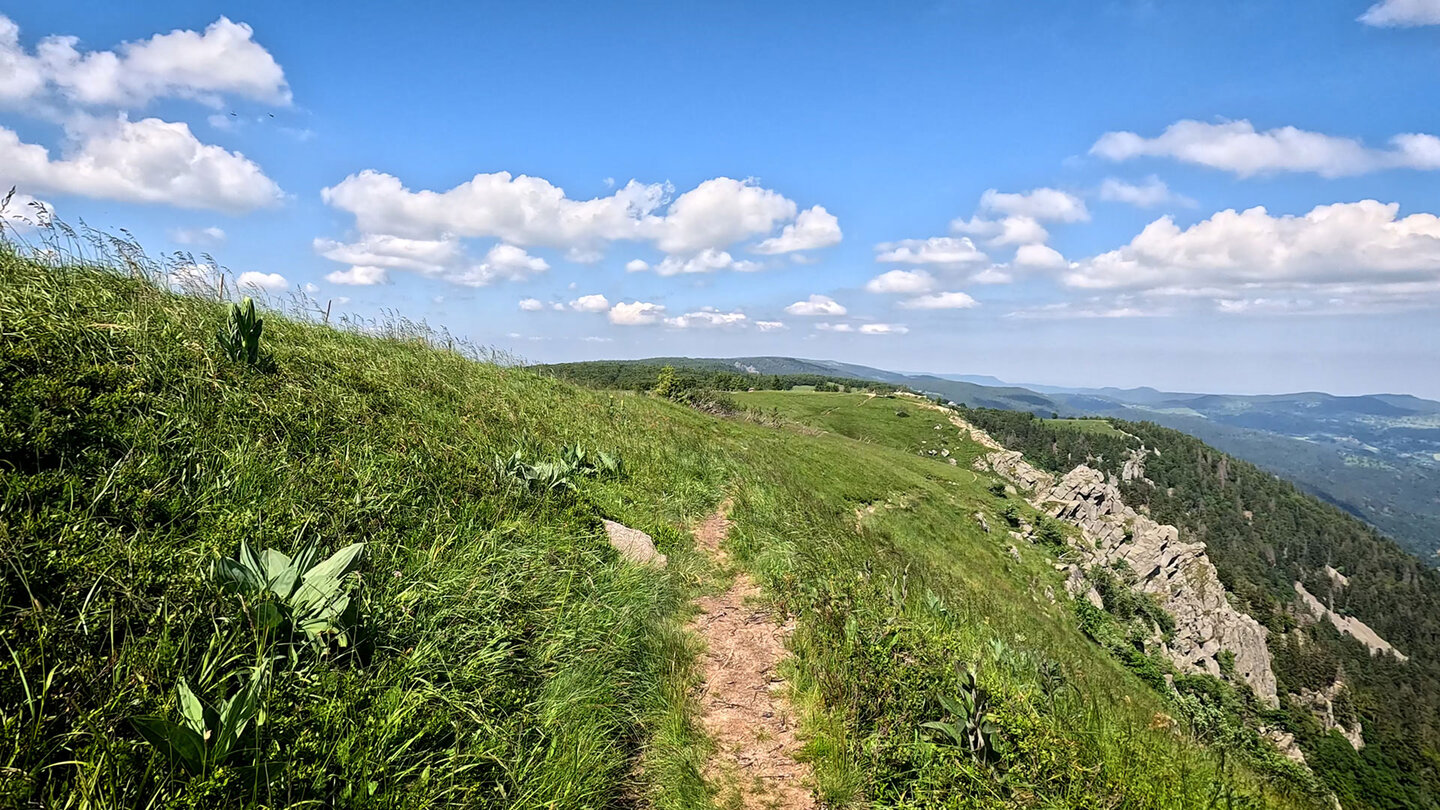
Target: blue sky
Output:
[{"x": 1223, "y": 196}]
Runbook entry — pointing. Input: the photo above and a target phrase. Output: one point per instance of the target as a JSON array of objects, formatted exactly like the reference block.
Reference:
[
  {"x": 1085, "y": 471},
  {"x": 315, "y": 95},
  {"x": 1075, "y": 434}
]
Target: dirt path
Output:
[{"x": 742, "y": 707}]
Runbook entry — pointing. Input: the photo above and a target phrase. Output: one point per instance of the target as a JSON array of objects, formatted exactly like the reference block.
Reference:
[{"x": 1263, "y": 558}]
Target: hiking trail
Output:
[{"x": 742, "y": 705}]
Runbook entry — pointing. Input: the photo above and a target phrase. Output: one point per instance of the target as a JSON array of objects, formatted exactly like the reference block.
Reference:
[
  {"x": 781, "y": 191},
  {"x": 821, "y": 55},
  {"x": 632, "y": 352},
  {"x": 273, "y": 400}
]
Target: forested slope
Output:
[{"x": 1264, "y": 535}]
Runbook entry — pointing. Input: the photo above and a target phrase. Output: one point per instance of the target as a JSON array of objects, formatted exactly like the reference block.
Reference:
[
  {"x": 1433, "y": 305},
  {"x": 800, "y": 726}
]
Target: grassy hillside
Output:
[{"x": 495, "y": 652}]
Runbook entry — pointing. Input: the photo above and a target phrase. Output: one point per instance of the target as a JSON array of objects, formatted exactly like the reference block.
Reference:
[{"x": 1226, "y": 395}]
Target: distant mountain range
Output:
[{"x": 1376, "y": 456}]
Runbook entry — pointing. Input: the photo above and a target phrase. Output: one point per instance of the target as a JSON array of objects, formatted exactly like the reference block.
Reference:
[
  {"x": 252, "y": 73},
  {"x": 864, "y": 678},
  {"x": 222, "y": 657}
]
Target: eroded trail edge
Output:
[{"x": 742, "y": 705}]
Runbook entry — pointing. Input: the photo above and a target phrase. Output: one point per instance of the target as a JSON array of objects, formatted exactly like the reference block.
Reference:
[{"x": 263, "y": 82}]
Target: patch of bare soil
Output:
[{"x": 742, "y": 705}]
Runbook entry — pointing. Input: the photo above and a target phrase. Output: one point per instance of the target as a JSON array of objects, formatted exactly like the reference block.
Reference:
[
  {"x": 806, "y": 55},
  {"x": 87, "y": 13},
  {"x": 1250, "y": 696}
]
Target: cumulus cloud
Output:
[
  {"x": 269, "y": 282},
  {"x": 706, "y": 261},
  {"x": 813, "y": 228},
  {"x": 590, "y": 303},
  {"x": 1402, "y": 13},
  {"x": 720, "y": 212},
  {"x": 769, "y": 326},
  {"x": 904, "y": 282},
  {"x": 636, "y": 313},
  {"x": 150, "y": 161},
  {"x": 944, "y": 251},
  {"x": 530, "y": 211},
  {"x": 427, "y": 256},
  {"x": 1086, "y": 310},
  {"x": 1148, "y": 194},
  {"x": 222, "y": 60},
  {"x": 941, "y": 300},
  {"x": 707, "y": 318},
  {"x": 816, "y": 305},
  {"x": 359, "y": 276},
  {"x": 696, "y": 231},
  {"x": 501, "y": 263},
  {"x": 1236, "y": 146},
  {"x": 200, "y": 237},
  {"x": 883, "y": 329},
  {"x": 531, "y": 304},
  {"x": 1043, "y": 204},
  {"x": 1040, "y": 257},
  {"x": 864, "y": 329},
  {"x": 1013, "y": 230},
  {"x": 1343, "y": 252}
]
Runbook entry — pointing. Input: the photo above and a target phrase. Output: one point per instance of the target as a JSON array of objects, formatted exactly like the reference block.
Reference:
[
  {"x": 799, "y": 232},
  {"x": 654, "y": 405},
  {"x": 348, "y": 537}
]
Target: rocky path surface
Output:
[{"x": 742, "y": 705}]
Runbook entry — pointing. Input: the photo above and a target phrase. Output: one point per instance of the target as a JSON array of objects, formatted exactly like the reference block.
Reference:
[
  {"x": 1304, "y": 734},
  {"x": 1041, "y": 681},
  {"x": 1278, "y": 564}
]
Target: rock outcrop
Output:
[
  {"x": 1348, "y": 625},
  {"x": 1322, "y": 705},
  {"x": 1177, "y": 572},
  {"x": 1180, "y": 574}
]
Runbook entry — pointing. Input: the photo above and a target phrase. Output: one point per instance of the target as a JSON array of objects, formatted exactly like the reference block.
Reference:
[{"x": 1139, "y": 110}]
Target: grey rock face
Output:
[
  {"x": 1177, "y": 572},
  {"x": 634, "y": 545},
  {"x": 1322, "y": 705},
  {"x": 1180, "y": 574}
]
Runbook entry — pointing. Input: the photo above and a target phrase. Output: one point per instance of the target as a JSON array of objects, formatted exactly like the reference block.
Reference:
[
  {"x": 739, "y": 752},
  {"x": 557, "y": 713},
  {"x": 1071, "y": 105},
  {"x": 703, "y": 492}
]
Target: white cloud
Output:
[
  {"x": 706, "y": 261},
  {"x": 140, "y": 161},
  {"x": 1093, "y": 309},
  {"x": 864, "y": 329},
  {"x": 995, "y": 274},
  {"x": 695, "y": 231},
  {"x": 269, "y": 282},
  {"x": 1041, "y": 257},
  {"x": 359, "y": 276},
  {"x": 720, "y": 212},
  {"x": 816, "y": 305},
  {"x": 531, "y": 304},
  {"x": 1044, "y": 204},
  {"x": 941, "y": 300},
  {"x": 526, "y": 211},
  {"x": 590, "y": 303},
  {"x": 904, "y": 282},
  {"x": 883, "y": 329},
  {"x": 501, "y": 263},
  {"x": 1402, "y": 13},
  {"x": 1347, "y": 252},
  {"x": 707, "y": 318},
  {"x": 814, "y": 228},
  {"x": 222, "y": 60},
  {"x": 1012, "y": 230},
  {"x": 311, "y": 288},
  {"x": 943, "y": 251},
  {"x": 1237, "y": 147},
  {"x": 636, "y": 313},
  {"x": 202, "y": 237},
  {"x": 427, "y": 256},
  {"x": 769, "y": 326},
  {"x": 1149, "y": 194}
]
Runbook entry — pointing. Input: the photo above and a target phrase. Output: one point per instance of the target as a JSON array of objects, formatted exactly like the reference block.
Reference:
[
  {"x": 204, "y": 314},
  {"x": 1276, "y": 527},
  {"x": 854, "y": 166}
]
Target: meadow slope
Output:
[{"x": 496, "y": 651}]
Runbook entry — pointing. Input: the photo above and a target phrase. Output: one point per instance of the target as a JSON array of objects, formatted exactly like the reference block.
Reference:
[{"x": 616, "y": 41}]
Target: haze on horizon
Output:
[{"x": 1230, "y": 198}]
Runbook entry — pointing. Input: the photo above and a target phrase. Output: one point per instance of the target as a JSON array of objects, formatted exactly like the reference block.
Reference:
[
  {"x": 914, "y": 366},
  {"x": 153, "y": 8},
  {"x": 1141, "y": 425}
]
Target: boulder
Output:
[{"x": 634, "y": 545}]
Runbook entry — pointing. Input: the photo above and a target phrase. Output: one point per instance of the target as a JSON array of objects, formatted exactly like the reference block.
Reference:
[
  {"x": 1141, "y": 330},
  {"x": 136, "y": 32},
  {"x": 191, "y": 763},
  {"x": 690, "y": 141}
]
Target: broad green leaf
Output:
[
  {"x": 235, "y": 576},
  {"x": 338, "y": 564},
  {"x": 192, "y": 708},
  {"x": 277, "y": 570},
  {"x": 179, "y": 744}
]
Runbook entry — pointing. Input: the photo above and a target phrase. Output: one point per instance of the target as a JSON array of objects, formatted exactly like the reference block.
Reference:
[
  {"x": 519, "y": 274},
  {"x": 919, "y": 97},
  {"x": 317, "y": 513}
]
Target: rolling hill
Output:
[{"x": 1375, "y": 456}]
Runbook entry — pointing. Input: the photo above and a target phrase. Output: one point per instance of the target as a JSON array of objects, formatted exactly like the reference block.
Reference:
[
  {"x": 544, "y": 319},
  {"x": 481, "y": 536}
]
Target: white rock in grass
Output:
[{"x": 634, "y": 545}]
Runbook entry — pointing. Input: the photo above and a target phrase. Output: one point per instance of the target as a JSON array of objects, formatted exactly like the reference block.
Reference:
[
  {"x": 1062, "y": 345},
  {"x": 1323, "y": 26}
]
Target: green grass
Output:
[
  {"x": 1100, "y": 427},
  {"x": 506, "y": 657}
]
